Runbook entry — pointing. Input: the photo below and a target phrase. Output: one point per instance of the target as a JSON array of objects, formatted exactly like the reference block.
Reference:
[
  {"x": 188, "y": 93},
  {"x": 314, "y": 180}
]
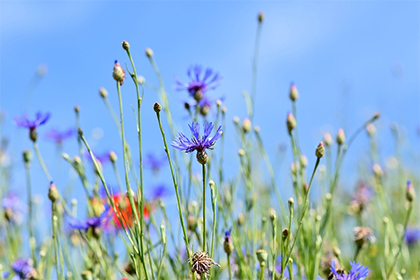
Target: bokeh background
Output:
[{"x": 349, "y": 59}]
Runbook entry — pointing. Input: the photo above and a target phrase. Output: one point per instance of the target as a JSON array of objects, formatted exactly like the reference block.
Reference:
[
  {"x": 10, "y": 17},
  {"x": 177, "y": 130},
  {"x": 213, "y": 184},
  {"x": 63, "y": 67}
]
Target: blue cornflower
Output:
[
  {"x": 196, "y": 143},
  {"x": 412, "y": 235},
  {"x": 286, "y": 270},
  {"x": 92, "y": 222},
  {"x": 59, "y": 136},
  {"x": 102, "y": 158},
  {"x": 159, "y": 191},
  {"x": 357, "y": 272},
  {"x": 23, "y": 268},
  {"x": 153, "y": 162},
  {"x": 24, "y": 121},
  {"x": 197, "y": 85},
  {"x": 13, "y": 207}
]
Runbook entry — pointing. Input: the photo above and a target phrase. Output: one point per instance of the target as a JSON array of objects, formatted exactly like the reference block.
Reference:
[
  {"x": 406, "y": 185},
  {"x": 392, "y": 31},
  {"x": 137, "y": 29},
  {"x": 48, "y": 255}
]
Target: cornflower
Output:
[
  {"x": 153, "y": 162},
  {"x": 412, "y": 236},
  {"x": 92, "y": 222},
  {"x": 198, "y": 85},
  {"x": 196, "y": 143},
  {"x": 59, "y": 136},
  {"x": 23, "y": 268},
  {"x": 13, "y": 207},
  {"x": 24, "y": 121}
]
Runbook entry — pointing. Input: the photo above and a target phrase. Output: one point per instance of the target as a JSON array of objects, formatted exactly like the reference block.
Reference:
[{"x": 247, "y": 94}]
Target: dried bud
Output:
[
  {"x": 103, "y": 92},
  {"x": 341, "y": 138},
  {"x": 262, "y": 256},
  {"x": 285, "y": 233},
  {"x": 118, "y": 73},
  {"x": 327, "y": 139},
  {"x": 53, "y": 194},
  {"x": 202, "y": 157},
  {"x": 113, "y": 157},
  {"x": 125, "y": 45},
  {"x": 201, "y": 263},
  {"x": 149, "y": 52},
  {"x": 27, "y": 156},
  {"x": 260, "y": 17},
  {"x": 362, "y": 235},
  {"x": 290, "y": 122},
  {"x": 293, "y": 94},
  {"x": 157, "y": 107},
  {"x": 319, "y": 152},
  {"x": 246, "y": 125},
  {"x": 410, "y": 194}
]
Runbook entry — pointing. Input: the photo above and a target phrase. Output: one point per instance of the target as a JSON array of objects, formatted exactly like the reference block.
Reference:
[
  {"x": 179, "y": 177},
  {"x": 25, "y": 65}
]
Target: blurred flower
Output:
[
  {"x": 228, "y": 244},
  {"x": 362, "y": 235},
  {"x": 24, "y": 121},
  {"x": 201, "y": 263},
  {"x": 412, "y": 235},
  {"x": 198, "y": 144},
  {"x": 153, "y": 162},
  {"x": 102, "y": 158},
  {"x": 361, "y": 197},
  {"x": 357, "y": 272},
  {"x": 197, "y": 85},
  {"x": 59, "y": 136},
  {"x": 286, "y": 270},
  {"x": 13, "y": 207},
  {"x": 23, "y": 268},
  {"x": 159, "y": 191},
  {"x": 92, "y": 222}
]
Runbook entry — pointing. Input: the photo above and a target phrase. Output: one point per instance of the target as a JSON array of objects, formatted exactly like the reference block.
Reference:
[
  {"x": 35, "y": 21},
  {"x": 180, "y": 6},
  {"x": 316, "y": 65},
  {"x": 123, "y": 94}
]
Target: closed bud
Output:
[
  {"x": 410, "y": 194},
  {"x": 53, "y": 194},
  {"x": 376, "y": 115},
  {"x": 80, "y": 131},
  {"x": 246, "y": 125},
  {"x": 320, "y": 150},
  {"x": 224, "y": 110},
  {"x": 293, "y": 94},
  {"x": 125, "y": 45},
  {"x": 228, "y": 244},
  {"x": 262, "y": 256},
  {"x": 303, "y": 161},
  {"x": 191, "y": 223},
  {"x": 327, "y": 139},
  {"x": 187, "y": 106},
  {"x": 103, "y": 92},
  {"x": 370, "y": 128},
  {"x": 198, "y": 95},
  {"x": 236, "y": 120},
  {"x": 240, "y": 219},
  {"x": 76, "y": 109},
  {"x": 33, "y": 134},
  {"x": 149, "y": 52},
  {"x": 291, "y": 201},
  {"x": 272, "y": 214},
  {"x": 377, "y": 170},
  {"x": 118, "y": 73},
  {"x": 260, "y": 17},
  {"x": 141, "y": 80},
  {"x": 290, "y": 122},
  {"x": 257, "y": 129},
  {"x": 157, "y": 107},
  {"x": 241, "y": 152},
  {"x": 219, "y": 102},
  {"x": 77, "y": 160},
  {"x": 27, "y": 156},
  {"x": 336, "y": 252},
  {"x": 341, "y": 138},
  {"x": 112, "y": 156},
  {"x": 285, "y": 233}
]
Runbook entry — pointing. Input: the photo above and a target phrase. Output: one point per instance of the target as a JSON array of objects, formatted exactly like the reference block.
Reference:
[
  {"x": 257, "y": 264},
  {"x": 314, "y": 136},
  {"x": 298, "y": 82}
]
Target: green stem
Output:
[
  {"x": 213, "y": 205},
  {"x": 255, "y": 68},
  {"x": 41, "y": 162},
  {"x": 229, "y": 269},
  {"x": 204, "y": 207},
  {"x": 30, "y": 218}
]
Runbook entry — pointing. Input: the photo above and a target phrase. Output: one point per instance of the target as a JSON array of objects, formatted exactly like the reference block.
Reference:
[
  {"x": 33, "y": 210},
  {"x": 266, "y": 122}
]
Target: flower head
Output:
[
  {"x": 228, "y": 244},
  {"x": 24, "y": 268},
  {"x": 196, "y": 143},
  {"x": 199, "y": 83},
  {"x": 362, "y": 235},
  {"x": 412, "y": 235},
  {"x": 92, "y": 222},
  {"x": 153, "y": 162},
  {"x": 118, "y": 73},
  {"x": 59, "y": 136},
  {"x": 24, "y": 121},
  {"x": 13, "y": 207},
  {"x": 357, "y": 272}
]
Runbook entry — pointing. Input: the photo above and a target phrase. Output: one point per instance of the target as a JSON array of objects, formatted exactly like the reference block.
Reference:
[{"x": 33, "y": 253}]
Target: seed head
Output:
[{"x": 201, "y": 263}]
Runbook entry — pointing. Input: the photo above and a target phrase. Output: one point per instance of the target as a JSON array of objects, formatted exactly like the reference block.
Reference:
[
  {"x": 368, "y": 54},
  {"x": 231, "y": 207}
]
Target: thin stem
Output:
[
  {"x": 204, "y": 207},
  {"x": 41, "y": 162},
  {"x": 30, "y": 218},
  {"x": 228, "y": 264},
  {"x": 255, "y": 68},
  {"x": 213, "y": 205}
]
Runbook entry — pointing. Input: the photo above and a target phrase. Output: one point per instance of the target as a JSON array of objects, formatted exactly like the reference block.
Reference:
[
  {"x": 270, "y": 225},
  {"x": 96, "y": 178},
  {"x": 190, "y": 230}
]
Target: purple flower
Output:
[
  {"x": 13, "y": 207},
  {"x": 357, "y": 272},
  {"x": 196, "y": 143},
  {"x": 59, "y": 136},
  {"x": 286, "y": 270},
  {"x": 102, "y": 158},
  {"x": 198, "y": 83},
  {"x": 92, "y": 222},
  {"x": 159, "y": 191},
  {"x": 153, "y": 162},
  {"x": 23, "y": 268},
  {"x": 24, "y": 121},
  {"x": 412, "y": 235},
  {"x": 32, "y": 125}
]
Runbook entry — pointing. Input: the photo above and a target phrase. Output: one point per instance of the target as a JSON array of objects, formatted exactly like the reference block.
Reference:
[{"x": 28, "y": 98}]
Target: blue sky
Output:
[{"x": 348, "y": 59}]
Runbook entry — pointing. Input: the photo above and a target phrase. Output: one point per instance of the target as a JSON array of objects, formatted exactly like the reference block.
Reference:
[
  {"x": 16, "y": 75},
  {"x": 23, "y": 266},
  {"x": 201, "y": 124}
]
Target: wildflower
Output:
[
  {"x": 158, "y": 191},
  {"x": 410, "y": 193},
  {"x": 412, "y": 235},
  {"x": 262, "y": 256},
  {"x": 24, "y": 269},
  {"x": 92, "y": 222},
  {"x": 13, "y": 207},
  {"x": 24, "y": 121},
  {"x": 201, "y": 263},
  {"x": 198, "y": 144},
  {"x": 59, "y": 136},
  {"x": 197, "y": 85},
  {"x": 362, "y": 235},
  {"x": 154, "y": 162},
  {"x": 361, "y": 197},
  {"x": 118, "y": 73},
  {"x": 286, "y": 274},
  {"x": 357, "y": 272},
  {"x": 228, "y": 244}
]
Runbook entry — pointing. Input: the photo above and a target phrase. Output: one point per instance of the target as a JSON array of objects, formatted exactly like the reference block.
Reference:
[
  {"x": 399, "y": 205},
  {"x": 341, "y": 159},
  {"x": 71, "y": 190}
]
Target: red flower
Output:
[{"x": 122, "y": 203}]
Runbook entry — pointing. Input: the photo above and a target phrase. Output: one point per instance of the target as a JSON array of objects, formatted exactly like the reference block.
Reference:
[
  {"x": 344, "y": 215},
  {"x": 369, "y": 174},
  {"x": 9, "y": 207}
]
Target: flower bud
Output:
[
  {"x": 157, "y": 107},
  {"x": 319, "y": 152},
  {"x": 76, "y": 109},
  {"x": 141, "y": 80},
  {"x": 198, "y": 95},
  {"x": 260, "y": 17},
  {"x": 149, "y": 52},
  {"x": 112, "y": 156},
  {"x": 410, "y": 194},
  {"x": 362, "y": 235},
  {"x": 376, "y": 115},
  {"x": 246, "y": 125},
  {"x": 341, "y": 138},
  {"x": 219, "y": 102},
  {"x": 103, "y": 92},
  {"x": 370, "y": 128},
  {"x": 290, "y": 122},
  {"x": 236, "y": 120},
  {"x": 262, "y": 256},
  {"x": 293, "y": 94},
  {"x": 272, "y": 214},
  {"x": 285, "y": 233},
  {"x": 291, "y": 202},
  {"x": 80, "y": 131},
  {"x": 204, "y": 110},
  {"x": 125, "y": 45},
  {"x": 257, "y": 129},
  {"x": 336, "y": 252},
  {"x": 377, "y": 170},
  {"x": 240, "y": 219},
  {"x": 224, "y": 110},
  {"x": 53, "y": 194},
  {"x": 228, "y": 244},
  {"x": 241, "y": 152},
  {"x": 118, "y": 73},
  {"x": 327, "y": 139},
  {"x": 27, "y": 156},
  {"x": 303, "y": 161}
]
